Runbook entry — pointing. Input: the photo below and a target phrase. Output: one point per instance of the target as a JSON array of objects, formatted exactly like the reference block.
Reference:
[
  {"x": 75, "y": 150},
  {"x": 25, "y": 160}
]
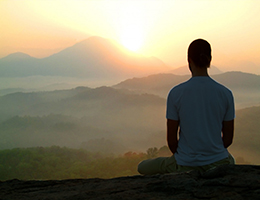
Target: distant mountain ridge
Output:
[
  {"x": 92, "y": 58},
  {"x": 184, "y": 70},
  {"x": 245, "y": 86},
  {"x": 158, "y": 81}
]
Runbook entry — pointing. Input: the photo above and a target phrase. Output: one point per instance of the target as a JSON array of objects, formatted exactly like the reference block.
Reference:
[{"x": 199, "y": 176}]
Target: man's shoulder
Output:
[
  {"x": 221, "y": 87},
  {"x": 181, "y": 85}
]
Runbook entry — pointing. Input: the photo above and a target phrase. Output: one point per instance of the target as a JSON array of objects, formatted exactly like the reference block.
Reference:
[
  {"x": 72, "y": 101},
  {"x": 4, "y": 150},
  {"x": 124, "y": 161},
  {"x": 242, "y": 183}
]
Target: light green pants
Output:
[{"x": 162, "y": 165}]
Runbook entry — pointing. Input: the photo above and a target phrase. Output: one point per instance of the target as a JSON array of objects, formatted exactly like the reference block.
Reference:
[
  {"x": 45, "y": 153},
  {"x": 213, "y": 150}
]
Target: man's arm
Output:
[
  {"x": 227, "y": 133},
  {"x": 172, "y": 131}
]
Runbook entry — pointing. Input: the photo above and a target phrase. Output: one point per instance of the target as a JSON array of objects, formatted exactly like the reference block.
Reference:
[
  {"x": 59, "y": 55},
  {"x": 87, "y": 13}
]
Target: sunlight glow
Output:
[
  {"x": 131, "y": 39},
  {"x": 132, "y": 26}
]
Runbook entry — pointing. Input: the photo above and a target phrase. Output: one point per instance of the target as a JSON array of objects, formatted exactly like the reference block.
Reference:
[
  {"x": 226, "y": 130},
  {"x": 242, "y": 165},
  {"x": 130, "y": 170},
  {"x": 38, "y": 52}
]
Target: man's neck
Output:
[{"x": 200, "y": 73}]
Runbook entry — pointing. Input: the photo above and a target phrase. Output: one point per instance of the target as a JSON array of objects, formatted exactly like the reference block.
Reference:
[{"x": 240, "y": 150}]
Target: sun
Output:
[
  {"x": 132, "y": 27},
  {"x": 132, "y": 39}
]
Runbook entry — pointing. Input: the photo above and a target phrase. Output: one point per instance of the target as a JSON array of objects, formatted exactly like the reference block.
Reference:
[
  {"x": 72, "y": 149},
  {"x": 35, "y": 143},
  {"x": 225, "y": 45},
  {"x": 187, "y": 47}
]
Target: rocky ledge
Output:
[{"x": 225, "y": 182}]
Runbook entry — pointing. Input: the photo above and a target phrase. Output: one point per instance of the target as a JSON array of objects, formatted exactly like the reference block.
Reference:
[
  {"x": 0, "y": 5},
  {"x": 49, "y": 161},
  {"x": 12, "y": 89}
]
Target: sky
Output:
[{"x": 160, "y": 28}]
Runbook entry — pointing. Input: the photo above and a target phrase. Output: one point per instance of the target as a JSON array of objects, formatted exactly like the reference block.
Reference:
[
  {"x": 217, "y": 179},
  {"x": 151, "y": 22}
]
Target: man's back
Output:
[
  {"x": 200, "y": 105},
  {"x": 200, "y": 120}
]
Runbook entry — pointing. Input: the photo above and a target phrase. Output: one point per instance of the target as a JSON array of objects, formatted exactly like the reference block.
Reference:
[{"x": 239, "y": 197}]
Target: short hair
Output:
[{"x": 199, "y": 52}]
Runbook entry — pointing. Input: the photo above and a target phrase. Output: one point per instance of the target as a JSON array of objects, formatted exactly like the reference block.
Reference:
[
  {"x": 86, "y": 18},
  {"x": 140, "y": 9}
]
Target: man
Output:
[{"x": 200, "y": 120}]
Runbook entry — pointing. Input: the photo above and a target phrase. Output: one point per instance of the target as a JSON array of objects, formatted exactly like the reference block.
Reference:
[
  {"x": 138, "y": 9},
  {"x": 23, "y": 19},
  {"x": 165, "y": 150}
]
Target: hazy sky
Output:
[{"x": 161, "y": 28}]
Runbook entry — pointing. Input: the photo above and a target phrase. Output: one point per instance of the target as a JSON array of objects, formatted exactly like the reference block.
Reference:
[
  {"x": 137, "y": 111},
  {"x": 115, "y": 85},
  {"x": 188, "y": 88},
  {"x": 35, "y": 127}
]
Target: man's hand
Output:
[{"x": 172, "y": 131}]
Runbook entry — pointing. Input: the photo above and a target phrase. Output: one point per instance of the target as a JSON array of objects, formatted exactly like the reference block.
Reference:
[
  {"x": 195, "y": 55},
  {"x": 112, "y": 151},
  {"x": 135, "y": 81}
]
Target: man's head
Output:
[{"x": 199, "y": 52}]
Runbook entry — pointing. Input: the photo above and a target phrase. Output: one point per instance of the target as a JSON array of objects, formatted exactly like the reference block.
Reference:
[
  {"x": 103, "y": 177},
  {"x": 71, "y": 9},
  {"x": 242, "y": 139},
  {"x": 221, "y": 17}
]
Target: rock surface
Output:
[{"x": 226, "y": 182}]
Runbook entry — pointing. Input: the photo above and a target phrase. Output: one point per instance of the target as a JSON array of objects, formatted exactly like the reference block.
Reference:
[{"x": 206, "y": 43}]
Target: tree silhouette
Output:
[{"x": 152, "y": 152}]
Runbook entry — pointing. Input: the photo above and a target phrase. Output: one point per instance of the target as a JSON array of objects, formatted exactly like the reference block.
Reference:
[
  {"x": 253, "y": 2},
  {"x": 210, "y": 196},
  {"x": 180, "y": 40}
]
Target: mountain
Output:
[
  {"x": 245, "y": 86},
  {"x": 184, "y": 70},
  {"x": 239, "y": 80},
  {"x": 18, "y": 56},
  {"x": 93, "y": 58},
  {"x": 18, "y": 64}
]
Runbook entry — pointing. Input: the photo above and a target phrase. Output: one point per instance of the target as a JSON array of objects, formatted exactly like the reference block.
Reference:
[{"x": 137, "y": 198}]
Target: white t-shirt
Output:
[{"x": 201, "y": 105}]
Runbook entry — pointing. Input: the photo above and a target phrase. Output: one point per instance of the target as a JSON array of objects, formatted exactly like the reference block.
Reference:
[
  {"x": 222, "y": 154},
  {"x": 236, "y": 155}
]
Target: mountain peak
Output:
[
  {"x": 18, "y": 56},
  {"x": 105, "y": 58}
]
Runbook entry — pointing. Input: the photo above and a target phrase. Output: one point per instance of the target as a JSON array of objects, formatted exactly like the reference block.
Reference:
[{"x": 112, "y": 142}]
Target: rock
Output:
[{"x": 226, "y": 182}]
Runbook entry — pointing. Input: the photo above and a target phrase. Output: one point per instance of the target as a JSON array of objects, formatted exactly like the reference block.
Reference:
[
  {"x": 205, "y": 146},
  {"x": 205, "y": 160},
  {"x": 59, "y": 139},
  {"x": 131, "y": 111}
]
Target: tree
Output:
[{"x": 152, "y": 152}]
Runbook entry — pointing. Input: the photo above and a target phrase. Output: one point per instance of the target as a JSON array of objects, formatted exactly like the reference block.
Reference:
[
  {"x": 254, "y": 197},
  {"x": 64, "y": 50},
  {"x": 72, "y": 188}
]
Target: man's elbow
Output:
[
  {"x": 173, "y": 146},
  {"x": 227, "y": 143}
]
